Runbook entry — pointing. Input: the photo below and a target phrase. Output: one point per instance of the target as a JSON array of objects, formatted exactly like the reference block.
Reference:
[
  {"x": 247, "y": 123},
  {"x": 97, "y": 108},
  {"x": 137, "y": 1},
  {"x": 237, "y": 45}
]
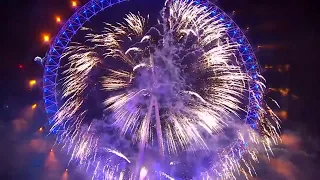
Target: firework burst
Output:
[{"x": 174, "y": 88}]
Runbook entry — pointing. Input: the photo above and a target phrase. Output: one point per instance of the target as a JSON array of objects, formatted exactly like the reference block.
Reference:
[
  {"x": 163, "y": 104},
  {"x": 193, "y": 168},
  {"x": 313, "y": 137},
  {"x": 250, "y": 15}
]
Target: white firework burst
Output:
[{"x": 181, "y": 80}]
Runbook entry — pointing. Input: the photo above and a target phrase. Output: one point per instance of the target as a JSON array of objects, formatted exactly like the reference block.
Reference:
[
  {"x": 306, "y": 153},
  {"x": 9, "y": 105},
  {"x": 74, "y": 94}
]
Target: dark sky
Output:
[{"x": 289, "y": 27}]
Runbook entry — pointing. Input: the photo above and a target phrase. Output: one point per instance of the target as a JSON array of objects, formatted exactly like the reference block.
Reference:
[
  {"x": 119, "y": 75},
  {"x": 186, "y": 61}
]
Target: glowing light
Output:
[
  {"x": 66, "y": 170},
  {"x": 74, "y": 4},
  {"x": 143, "y": 173},
  {"x": 34, "y": 106},
  {"x": 51, "y": 150},
  {"x": 41, "y": 129},
  {"x": 58, "y": 19},
  {"x": 46, "y": 38},
  {"x": 20, "y": 66},
  {"x": 32, "y": 83}
]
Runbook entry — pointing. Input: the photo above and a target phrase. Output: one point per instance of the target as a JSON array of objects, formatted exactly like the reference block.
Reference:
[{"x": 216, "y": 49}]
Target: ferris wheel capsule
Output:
[{"x": 39, "y": 60}]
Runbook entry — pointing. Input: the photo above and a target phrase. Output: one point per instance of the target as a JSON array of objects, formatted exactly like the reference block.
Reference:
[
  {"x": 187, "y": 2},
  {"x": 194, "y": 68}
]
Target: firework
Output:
[{"x": 174, "y": 89}]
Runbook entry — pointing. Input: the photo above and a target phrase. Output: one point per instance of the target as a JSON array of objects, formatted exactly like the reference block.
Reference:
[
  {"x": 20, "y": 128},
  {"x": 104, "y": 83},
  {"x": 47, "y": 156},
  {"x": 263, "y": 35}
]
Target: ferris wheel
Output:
[{"x": 220, "y": 43}]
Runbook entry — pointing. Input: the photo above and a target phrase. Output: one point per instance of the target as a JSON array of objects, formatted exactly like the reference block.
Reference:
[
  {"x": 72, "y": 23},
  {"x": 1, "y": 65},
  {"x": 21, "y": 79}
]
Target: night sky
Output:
[{"x": 286, "y": 30}]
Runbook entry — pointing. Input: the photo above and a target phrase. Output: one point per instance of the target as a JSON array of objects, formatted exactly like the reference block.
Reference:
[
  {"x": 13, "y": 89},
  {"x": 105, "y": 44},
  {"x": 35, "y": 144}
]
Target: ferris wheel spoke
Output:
[{"x": 158, "y": 127}]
